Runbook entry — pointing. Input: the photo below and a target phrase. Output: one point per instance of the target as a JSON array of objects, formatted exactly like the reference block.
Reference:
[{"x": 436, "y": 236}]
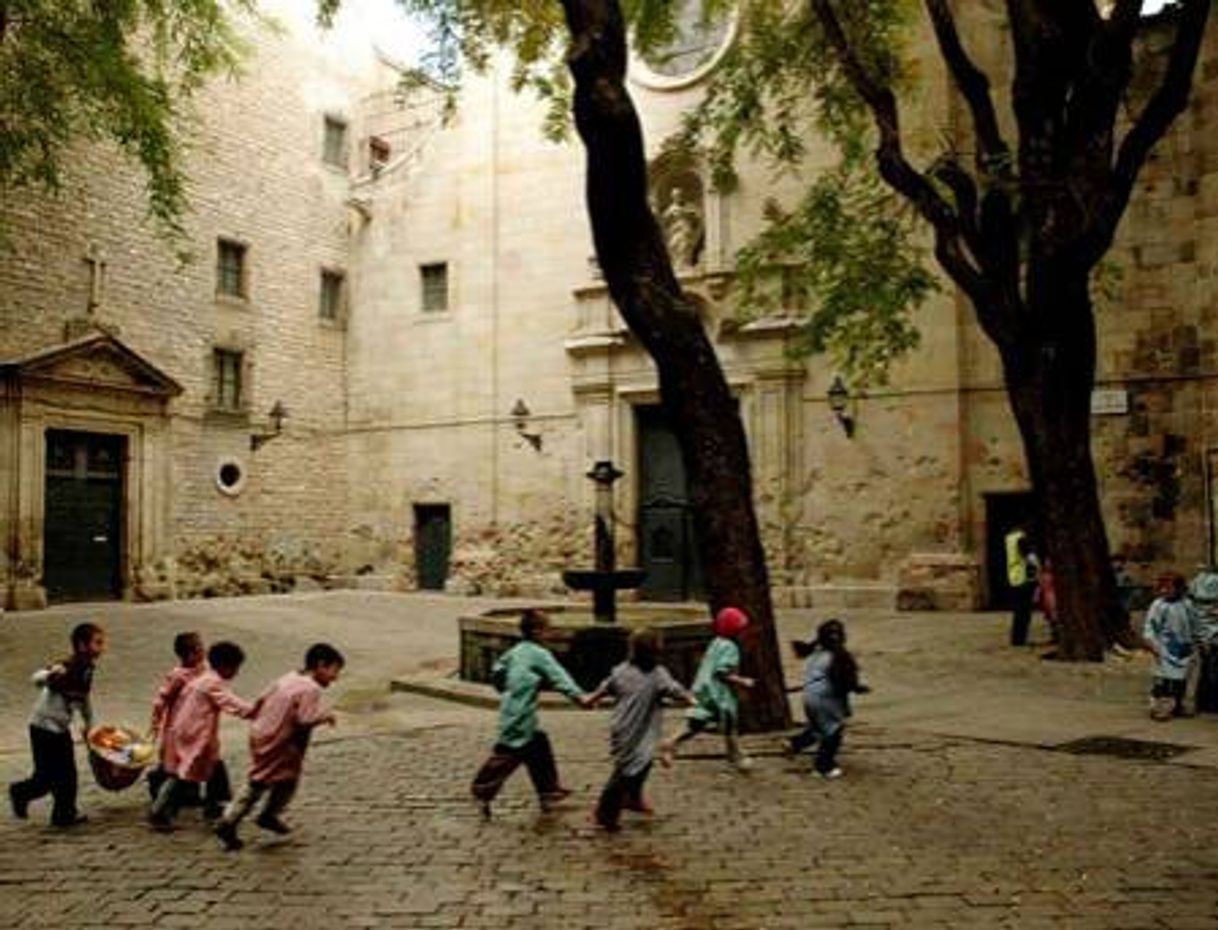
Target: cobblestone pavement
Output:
[
  {"x": 927, "y": 829},
  {"x": 922, "y": 832}
]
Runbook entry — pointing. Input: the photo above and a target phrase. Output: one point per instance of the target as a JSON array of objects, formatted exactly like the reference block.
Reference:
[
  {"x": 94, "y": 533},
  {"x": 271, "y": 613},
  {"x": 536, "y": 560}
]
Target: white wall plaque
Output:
[{"x": 1109, "y": 401}]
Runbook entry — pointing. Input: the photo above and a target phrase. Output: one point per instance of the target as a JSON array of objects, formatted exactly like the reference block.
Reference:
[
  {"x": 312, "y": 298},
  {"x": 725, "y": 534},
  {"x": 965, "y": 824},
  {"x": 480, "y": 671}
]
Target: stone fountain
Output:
[{"x": 589, "y": 645}]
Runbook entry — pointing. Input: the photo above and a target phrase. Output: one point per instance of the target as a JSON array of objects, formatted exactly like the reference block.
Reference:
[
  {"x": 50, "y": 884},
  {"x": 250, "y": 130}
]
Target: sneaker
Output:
[
  {"x": 273, "y": 824},
  {"x": 743, "y": 763},
  {"x": 20, "y": 805},
  {"x": 227, "y": 834},
  {"x": 830, "y": 775}
]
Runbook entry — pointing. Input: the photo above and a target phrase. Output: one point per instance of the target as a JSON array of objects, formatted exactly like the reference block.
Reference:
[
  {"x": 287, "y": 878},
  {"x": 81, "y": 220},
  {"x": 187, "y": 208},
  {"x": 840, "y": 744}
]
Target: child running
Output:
[
  {"x": 192, "y": 740},
  {"x": 831, "y": 675},
  {"x": 188, "y": 647},
  {"x": 518, "y": 675},
  {"x": 640, "y": 685},
  {"x": 64, "y": 689},
  {"x": 714, "y": 690},
  {"x": 287, "y": 713}
]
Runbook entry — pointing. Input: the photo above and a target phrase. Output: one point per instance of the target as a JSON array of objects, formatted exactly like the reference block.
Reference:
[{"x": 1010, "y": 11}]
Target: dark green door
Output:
[
  {"x": 432, "y": 544},
  {"x": 667, "y": 550},
  {"x": 83, "y": 519}
]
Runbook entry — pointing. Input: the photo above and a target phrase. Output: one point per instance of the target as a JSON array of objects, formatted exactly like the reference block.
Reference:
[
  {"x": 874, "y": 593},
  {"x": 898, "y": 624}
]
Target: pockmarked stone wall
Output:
[{"x": 257, "y": 178}]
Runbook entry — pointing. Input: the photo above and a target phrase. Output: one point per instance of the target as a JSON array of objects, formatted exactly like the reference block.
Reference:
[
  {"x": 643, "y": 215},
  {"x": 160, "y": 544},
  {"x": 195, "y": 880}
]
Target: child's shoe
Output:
[
  {"x": 161, "y": 822},
  {"x": 743, "y": 763},
  {"x": 20, "y": 805},
  {"x": 639, "y": 806},
  {"x": 601, "y": 824},
  {"x": 832, "y": 774},
  {"x": 227, "y": 834},
  {"x": 550, "y": 799},
  {"x": 273, "y": 824}
]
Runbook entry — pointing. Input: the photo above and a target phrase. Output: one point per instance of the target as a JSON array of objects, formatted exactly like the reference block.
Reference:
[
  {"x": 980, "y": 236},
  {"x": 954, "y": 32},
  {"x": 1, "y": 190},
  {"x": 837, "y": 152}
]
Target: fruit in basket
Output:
[
  {"x": 142, "y": 753},
  {"x": 112, "y": 738}
]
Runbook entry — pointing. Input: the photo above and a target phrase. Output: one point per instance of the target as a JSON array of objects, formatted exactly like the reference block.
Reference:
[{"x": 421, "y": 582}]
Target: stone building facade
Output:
[{"x": 420, "y": 296}]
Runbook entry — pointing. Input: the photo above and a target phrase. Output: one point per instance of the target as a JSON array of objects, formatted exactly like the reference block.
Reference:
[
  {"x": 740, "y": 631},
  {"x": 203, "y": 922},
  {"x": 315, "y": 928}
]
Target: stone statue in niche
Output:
[{"x": 684, "y": 230}]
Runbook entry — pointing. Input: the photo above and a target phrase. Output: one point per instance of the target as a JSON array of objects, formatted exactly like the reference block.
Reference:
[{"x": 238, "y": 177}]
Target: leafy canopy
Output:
[{"x": 121, "y": 70}]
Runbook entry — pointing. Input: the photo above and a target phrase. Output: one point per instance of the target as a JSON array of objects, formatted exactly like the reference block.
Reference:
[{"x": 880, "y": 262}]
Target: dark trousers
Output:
[
  {"x": 1207, "y": 679},
  {"x": 1021, "y": 613},
  {"x": 826, "y": 753},
  {"x": 217, "y": 792},
  {"x": 537, "y": 755},
  {"x": 54, "y": 774},
  {"x": 621, "y": 790}
]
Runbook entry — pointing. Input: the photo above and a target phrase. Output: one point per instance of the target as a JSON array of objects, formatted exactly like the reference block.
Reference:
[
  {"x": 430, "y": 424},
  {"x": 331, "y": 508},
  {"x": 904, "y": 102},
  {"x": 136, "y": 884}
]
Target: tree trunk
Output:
[
  {"x": 1049, "y": 381},
  {"x": 693, "y": 389}
]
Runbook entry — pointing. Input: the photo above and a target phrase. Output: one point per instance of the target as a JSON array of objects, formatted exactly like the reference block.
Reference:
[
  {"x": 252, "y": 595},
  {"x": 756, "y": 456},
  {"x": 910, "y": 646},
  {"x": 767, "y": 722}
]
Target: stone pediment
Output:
[{"x": 98, "y": 360}]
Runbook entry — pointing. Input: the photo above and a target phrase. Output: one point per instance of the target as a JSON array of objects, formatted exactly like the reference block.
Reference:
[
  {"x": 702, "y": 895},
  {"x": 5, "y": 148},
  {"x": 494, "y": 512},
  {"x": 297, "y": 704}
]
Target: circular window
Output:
[
  {"x": 230, "y": 477},
  {"x": 697, "y": 44}
]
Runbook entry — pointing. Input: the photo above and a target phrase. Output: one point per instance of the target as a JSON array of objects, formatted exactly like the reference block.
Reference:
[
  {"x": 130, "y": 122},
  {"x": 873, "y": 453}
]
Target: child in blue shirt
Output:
[
  {"x": 830, "y": 676},
  {"x": 1170, "y": 631}
]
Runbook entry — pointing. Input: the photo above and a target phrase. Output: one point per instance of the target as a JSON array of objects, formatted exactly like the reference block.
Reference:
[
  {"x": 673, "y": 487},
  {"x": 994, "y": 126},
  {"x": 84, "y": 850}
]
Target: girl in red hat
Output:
[{"x": 715, "y": 690}]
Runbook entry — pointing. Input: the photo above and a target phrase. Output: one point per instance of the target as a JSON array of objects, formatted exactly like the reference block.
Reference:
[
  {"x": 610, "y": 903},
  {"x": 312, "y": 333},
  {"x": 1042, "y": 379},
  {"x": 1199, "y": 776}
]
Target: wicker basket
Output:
[{"x": 113, "y": 769}]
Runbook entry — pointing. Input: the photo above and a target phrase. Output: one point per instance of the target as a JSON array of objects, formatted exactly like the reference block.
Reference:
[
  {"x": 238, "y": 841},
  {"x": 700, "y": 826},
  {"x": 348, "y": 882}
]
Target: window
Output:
[
  {"x": 435, "y": 287},
  {"x": 227, "y": 379},
  {"x": 330, "y": 300},
  {"x": 230, "y": 269},
  {"x": 378, "y": 153},
  {"x": 334, "y": 142}
]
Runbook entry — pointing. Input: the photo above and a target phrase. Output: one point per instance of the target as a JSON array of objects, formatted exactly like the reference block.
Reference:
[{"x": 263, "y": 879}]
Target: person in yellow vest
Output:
[{"x": 1021, "y": 577}]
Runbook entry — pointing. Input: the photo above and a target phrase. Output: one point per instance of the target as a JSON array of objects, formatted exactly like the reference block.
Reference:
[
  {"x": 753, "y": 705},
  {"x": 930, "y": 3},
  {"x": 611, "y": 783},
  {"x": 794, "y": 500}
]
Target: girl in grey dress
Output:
[{"x": 640, "y": 685}]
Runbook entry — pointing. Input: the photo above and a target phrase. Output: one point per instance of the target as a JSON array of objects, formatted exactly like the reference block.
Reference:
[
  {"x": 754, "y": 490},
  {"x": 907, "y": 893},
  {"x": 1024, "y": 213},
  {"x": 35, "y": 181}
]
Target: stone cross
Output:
[
  {"x": 605, "y": 580},
  {"x": 96, "y": 260}
]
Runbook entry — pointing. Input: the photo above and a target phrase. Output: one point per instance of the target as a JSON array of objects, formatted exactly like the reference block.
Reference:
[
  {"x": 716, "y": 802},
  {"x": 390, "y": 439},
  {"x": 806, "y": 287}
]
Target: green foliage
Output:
[
  {"x": 847, "y": 253},
  {"x": 121, "y": 70},
  {"x": 861, "y": 278}
]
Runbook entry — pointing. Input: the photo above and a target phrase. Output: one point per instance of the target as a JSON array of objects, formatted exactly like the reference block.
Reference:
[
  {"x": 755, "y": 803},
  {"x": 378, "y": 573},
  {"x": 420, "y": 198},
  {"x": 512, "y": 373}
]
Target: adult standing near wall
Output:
[
  {"x": 1022, "y": 580},
  {"x": 1203, "y": 593}
]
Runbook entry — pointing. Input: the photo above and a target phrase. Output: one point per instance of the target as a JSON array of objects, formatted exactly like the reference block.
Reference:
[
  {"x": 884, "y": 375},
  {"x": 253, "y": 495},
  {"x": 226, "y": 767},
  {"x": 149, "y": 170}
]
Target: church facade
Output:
[{"x": 391, "y": 362}]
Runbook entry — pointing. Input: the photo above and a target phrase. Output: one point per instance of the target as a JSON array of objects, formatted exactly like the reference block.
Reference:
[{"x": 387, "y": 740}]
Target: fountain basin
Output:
[{"x": 586, "y": 648}]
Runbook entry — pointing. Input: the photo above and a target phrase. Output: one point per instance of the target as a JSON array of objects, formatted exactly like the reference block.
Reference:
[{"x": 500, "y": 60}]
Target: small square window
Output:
[
  {"x": 330, "y": 300},
  {"x": 230, "y": 269},
  {"x": 226, "y": 385},
  {"x": 334, "y": 142},
  {"x": 435, "y": 287}
]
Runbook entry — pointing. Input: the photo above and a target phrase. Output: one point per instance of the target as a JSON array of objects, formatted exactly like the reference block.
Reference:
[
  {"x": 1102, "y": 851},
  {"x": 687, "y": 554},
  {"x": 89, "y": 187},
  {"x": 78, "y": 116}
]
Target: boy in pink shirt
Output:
[
  {"x": 287, "y": 713},
  {"x": 191, "y": 742},
  {"x": 188, "y": 647}
]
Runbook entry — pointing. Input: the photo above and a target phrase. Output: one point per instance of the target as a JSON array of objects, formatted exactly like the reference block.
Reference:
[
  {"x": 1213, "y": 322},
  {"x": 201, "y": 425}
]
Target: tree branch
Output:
[
  {"x": 1168, "y": 102},
  {"x": 993, "y": 153},
  {"x": 901, "y": 175}
]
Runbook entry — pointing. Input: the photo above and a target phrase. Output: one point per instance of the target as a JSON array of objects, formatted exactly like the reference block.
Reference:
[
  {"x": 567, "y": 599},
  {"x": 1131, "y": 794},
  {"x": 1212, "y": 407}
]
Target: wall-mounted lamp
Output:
[
  {"x": 520, "y": 414},
  {"x": 839, "y": 397},
  {"x": 277, "y": 414}
]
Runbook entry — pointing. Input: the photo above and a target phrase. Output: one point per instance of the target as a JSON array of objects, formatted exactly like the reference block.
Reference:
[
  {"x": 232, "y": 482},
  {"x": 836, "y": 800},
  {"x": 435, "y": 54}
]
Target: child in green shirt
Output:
[
  {"x": 519, "y": 674},
  {"x": 715, "y": 690}
]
